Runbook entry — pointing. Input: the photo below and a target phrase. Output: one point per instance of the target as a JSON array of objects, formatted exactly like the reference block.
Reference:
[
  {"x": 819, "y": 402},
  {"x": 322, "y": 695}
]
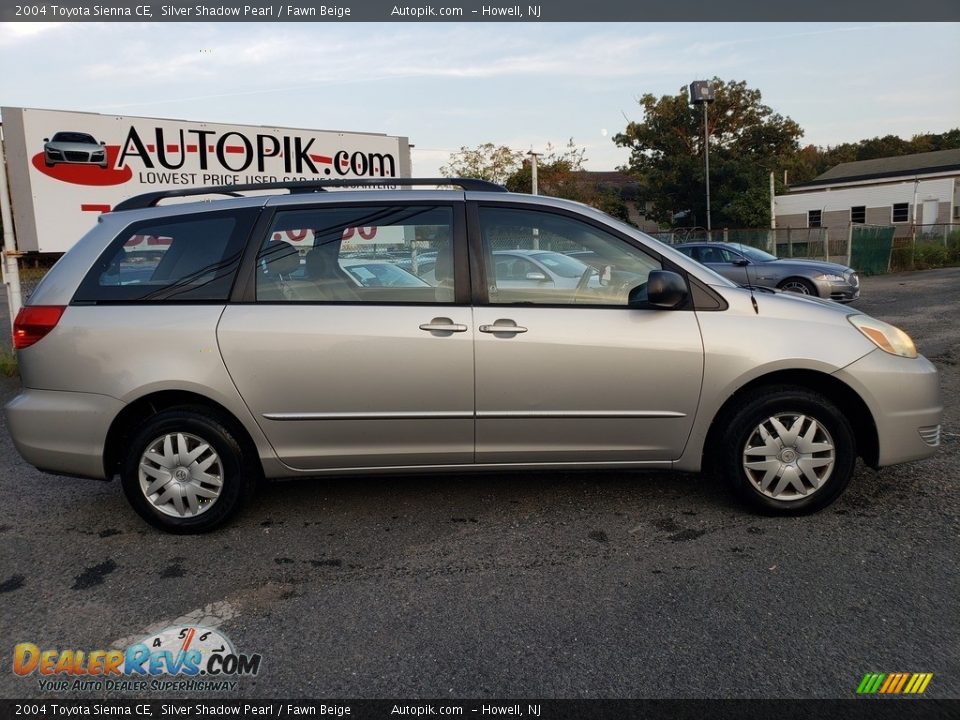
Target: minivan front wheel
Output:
[
  {"x": 186, "y": 471},
  {"x": 788, "y": 451}
]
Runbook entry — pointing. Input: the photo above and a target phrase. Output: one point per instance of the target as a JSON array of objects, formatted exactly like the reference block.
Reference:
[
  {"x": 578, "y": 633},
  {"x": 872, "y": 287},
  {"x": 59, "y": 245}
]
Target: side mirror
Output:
[
  {"x": 537, "y": 276},
  {"x": 742, "y": 262},
  {"x": 663, "y": 289},
  {"x": 103, "y": 142},
  {"x": 46, "y": 139}
]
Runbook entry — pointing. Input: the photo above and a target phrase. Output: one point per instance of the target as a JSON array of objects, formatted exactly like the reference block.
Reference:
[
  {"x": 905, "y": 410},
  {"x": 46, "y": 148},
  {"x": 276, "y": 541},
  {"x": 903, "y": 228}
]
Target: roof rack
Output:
[{"x": 150, "y": 199}]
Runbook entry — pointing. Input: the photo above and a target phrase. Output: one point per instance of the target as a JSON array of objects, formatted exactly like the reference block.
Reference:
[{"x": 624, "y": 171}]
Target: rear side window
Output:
[
  {"x": 358, "y": 254},
  {"x": 190, "y": 258}
]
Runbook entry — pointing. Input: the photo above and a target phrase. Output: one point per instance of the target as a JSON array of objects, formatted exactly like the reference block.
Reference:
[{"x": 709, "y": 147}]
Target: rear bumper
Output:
[
  {"x": 904, "y": 398},
  {"x": 62, "y": 432}
]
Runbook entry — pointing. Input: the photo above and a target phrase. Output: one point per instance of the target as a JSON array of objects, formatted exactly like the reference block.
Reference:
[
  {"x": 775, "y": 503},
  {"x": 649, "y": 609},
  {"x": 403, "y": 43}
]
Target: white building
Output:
[{"x": 905, "y": 191}]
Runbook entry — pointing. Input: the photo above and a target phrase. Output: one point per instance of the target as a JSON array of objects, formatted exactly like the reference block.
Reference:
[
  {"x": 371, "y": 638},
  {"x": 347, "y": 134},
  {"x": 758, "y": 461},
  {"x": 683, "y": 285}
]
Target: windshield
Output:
[
  {"x": 754, "y": 254},
  {"x": 74, "y": 137}
]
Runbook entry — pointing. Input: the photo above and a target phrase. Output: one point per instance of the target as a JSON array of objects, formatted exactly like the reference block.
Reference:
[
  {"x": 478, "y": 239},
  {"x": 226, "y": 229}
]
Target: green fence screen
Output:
[{"x": 870, "y": 248}]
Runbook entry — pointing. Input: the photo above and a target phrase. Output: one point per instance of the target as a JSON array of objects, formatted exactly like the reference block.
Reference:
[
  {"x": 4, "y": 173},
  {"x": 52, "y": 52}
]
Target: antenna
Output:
[{"x": 746, "y": 273}]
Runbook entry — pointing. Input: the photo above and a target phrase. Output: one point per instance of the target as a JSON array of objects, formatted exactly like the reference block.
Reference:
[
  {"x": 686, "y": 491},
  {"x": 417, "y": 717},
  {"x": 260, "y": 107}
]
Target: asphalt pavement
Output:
[{"x": 549, "y": 585}]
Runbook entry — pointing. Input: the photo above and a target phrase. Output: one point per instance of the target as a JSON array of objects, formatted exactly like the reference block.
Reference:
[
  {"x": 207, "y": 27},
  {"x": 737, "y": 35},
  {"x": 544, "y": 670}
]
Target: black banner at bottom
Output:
[{"x": 860, "y": 709}]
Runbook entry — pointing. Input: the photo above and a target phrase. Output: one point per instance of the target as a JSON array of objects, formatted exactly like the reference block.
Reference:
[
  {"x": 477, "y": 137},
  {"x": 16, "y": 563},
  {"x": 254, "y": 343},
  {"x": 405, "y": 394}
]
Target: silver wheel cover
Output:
[
  {"x": 795, "y": 286},
  {"x": 181, "y": 475},
  {"x": 789, "y": 457}
]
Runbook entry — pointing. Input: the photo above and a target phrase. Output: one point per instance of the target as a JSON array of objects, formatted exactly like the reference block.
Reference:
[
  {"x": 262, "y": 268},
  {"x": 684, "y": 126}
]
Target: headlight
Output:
[
  {"x": 885, "y": 336},
  {"x": 829, "y": 277},
  {"x": 54, "y": 153}
]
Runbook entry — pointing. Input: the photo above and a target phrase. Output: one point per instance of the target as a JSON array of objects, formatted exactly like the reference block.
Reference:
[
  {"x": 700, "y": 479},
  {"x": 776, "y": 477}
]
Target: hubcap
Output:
[
  {"x": 181, "y": 475},
  {"x": 796, "y": 287},
  {"x": 789, "y": 456}
]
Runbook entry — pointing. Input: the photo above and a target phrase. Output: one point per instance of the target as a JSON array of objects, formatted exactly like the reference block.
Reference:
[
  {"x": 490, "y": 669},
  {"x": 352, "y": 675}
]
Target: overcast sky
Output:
[{"x": 445, "y": 85}]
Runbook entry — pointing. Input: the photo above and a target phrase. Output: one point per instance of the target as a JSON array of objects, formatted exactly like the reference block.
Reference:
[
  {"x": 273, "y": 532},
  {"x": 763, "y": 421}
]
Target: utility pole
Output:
[
  {"x": 533, "y": 172},
  {"x": 534, "y": 190}
]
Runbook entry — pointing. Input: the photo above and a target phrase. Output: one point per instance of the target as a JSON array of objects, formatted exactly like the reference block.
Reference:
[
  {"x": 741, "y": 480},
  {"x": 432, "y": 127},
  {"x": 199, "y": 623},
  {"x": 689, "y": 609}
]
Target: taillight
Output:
[{"x": 33, "y": 322}]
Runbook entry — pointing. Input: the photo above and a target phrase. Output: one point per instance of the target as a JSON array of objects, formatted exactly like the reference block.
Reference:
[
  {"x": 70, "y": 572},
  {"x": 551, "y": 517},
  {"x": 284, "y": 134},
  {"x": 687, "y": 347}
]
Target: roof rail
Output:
[{"x": 150, "y": 199}]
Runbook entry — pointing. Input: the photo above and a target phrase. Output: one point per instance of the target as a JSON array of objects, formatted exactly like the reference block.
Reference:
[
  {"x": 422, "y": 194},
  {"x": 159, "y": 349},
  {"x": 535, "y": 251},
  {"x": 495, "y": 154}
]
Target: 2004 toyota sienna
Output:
[{"x": 193, "y": 348}]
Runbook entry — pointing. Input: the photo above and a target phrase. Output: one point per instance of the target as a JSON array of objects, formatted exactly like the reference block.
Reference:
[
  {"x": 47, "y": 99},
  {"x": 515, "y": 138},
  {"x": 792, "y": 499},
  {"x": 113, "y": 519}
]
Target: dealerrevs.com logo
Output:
[{"x": 175, "y": 659}]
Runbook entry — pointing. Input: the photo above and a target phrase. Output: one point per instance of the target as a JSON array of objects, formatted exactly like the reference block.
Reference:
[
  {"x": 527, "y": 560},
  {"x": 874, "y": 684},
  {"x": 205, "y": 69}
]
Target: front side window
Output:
[
  {"x": 388, "y": 254},
  {"x": 535, "y": 257},
  {"x": 189, "y": 258}
]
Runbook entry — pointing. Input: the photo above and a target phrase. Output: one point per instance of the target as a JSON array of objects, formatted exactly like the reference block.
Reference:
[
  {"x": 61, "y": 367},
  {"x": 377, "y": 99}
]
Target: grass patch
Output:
[{"x": 8, "y": 363}]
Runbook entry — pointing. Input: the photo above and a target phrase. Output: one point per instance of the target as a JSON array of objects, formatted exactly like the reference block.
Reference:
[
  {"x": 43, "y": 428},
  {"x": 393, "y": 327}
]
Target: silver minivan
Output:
[{"x": 193, "y": 348}]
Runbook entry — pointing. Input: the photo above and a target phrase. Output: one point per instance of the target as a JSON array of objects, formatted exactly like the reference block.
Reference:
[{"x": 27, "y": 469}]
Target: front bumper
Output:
[
  {"x": 62, "y": 432},
  {"x": 903, "y": 396},
  {"x": 838, "y": 291}
]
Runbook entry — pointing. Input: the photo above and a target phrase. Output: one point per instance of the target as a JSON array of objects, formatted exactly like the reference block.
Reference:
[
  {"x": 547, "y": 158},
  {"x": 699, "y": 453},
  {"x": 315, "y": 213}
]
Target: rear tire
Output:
[
  {"x": 186, "y": 471},
  {"x": 787, "y": 451}
]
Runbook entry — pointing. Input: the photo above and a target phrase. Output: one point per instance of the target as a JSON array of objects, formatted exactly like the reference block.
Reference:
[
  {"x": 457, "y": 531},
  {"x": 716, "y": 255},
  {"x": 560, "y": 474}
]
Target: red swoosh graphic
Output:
[{"x": 87, "y": 174}]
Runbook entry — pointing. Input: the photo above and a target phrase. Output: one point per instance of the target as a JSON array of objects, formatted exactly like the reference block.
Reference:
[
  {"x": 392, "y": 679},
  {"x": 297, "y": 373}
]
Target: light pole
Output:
[{"x": 701, "y": 93}]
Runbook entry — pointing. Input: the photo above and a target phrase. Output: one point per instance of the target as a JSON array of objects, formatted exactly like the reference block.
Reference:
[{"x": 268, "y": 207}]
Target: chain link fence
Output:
[
  {"x": 869, "y": 249},
  {"x": 812, "y": 243}
]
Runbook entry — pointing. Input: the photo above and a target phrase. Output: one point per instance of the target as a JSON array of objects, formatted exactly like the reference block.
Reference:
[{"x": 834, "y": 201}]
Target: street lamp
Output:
[
  {"x": 701, "y": 93},
  {"x": 533, "y": 172}
]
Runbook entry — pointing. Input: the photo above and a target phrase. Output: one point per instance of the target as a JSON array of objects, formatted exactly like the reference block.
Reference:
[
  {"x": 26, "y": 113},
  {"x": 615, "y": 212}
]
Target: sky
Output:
[{"x": 448, "y": 85}]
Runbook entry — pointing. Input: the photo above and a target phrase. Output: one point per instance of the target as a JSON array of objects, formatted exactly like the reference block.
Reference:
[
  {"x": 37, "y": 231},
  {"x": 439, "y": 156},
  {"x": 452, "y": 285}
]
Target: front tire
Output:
[
  {"x": 798, "y": 285},
  {"x": 186, "y": 471},
  {"x": 787, "y": 451}
]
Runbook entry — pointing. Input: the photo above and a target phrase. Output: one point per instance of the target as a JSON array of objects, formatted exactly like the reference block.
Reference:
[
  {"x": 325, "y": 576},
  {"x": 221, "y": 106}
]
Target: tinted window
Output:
[
  {"x": 531, "y": 257},
  {"x": 192, "y": 258},
  {"x": 73, "y": 137},
  {"x": 358, "y": 254}
]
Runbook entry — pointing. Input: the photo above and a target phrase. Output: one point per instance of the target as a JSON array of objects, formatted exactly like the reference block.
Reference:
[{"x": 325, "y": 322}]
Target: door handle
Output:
[
  {"x": 504, "y": 327},
  {"x": 442, "y": 324}
]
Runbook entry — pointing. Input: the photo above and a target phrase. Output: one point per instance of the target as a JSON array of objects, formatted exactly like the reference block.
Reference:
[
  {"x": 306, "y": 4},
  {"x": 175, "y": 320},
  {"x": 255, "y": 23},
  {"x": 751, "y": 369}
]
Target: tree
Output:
[
  {"x": 811, "y": 161},
  {"x": 555, "y": 172},
  {"x": 747, "y": 140},
  {"x": 488, "y": 162}
]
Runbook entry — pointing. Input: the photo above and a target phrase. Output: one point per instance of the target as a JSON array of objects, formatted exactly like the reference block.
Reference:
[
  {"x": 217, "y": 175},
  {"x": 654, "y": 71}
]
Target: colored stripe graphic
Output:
[{"x": 894, "y": 683}]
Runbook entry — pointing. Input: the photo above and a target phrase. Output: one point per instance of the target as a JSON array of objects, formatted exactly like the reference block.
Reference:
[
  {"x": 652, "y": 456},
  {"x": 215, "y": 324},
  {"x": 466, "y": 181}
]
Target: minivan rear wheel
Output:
[
  {"x": 788, "y": 451},
  {"x": 186, "y": 471}
]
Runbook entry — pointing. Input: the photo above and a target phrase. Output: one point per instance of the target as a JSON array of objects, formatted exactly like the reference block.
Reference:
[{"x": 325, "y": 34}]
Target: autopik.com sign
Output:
[{"x": 65, "y": 167}]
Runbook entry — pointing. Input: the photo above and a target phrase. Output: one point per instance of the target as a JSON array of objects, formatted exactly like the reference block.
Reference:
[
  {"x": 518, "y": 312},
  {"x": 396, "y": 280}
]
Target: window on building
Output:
[
  {"x": 901, "y": 212},
  {"x": 814, "y": 218},
  {"x": 858, "y": 214}
]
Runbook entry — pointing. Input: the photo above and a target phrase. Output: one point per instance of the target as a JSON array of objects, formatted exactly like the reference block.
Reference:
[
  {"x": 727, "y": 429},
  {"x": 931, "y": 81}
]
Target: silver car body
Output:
[
  {"x": 828, "y": 280},
  {"x": 362, "y": 388}
]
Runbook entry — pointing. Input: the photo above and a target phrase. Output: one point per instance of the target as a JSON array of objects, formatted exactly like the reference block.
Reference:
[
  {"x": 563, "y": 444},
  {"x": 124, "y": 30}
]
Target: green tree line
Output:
[{"x": 748, "y": 141}]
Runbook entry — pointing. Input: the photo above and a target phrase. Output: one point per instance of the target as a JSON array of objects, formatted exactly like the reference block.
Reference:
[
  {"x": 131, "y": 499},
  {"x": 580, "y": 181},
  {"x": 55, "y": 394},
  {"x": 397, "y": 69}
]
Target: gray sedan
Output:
[{"x": 747, "y": 265}]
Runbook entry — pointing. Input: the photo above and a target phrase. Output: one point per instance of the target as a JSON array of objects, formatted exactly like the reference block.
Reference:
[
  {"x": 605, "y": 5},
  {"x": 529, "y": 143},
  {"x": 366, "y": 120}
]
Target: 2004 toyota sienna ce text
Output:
[{"x": 193, "y": 348}]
